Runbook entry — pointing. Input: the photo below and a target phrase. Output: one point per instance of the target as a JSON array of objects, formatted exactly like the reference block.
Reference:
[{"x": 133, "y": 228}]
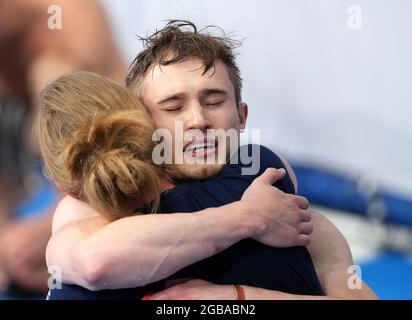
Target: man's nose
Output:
[{"x": 197, "y": 118}]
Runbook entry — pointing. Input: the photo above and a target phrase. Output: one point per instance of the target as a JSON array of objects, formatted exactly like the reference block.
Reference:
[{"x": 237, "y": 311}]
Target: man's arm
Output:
[
  {"x": 32, "y": 53},
  {"x": 63, "y": 50},
  {"x": 130, "y": 252}
]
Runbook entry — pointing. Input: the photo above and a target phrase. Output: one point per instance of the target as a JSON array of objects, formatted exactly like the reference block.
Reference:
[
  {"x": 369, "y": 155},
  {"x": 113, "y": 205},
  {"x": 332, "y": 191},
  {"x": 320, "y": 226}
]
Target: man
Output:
[{"x": 189, "y": 78}]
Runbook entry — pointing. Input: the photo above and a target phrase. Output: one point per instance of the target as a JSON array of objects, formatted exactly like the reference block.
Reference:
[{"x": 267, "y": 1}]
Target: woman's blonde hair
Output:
[{"x": 96, "y": 141}]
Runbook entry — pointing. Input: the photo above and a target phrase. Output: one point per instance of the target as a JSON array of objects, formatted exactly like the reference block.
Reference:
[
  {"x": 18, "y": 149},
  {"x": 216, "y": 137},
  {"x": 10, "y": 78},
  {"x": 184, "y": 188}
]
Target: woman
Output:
[{"x": 96, "y": 142}]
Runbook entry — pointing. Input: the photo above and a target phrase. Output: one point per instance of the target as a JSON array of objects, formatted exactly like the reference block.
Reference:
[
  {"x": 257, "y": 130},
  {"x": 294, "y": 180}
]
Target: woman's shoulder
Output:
[{"x": 71, "y": 210}]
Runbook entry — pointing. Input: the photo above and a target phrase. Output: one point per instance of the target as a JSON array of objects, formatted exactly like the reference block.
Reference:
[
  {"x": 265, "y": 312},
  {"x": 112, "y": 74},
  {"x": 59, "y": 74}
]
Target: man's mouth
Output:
[{"x": 201, "y": 148}]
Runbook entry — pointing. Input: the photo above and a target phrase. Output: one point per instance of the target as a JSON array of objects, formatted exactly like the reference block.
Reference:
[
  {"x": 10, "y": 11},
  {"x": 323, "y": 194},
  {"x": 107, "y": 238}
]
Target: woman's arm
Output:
[
  {"x": 133, "y": 251},
  {"x": 332, "y": 259},
  {"x": 333, "y": 263},
  {"x": 98, "y": 254}
]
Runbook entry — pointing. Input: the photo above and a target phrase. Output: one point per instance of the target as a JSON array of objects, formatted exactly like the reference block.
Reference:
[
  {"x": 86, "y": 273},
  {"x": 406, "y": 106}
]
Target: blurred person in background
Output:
[{"x": 31, "y": 53}]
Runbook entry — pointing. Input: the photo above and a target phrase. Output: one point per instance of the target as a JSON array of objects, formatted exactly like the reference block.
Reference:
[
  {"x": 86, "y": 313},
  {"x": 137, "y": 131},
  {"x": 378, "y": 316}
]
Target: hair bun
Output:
[{"x": 112, "y": 156}]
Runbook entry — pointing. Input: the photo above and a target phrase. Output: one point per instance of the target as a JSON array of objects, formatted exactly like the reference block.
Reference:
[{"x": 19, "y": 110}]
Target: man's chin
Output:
[{"x": 187, "y": 172}]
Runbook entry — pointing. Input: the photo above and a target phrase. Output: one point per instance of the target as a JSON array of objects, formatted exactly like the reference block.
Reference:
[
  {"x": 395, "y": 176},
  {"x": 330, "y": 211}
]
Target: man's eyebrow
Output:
[
  {"x": 207, "y": 92},
  {"x": 174, "y": 97}
]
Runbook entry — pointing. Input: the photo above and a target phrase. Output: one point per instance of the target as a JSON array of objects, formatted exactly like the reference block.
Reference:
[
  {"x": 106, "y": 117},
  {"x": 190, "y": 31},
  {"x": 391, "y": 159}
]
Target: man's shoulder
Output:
[
  {"x": 261, "y": 157},
  {"x": 261, "y": 154}
]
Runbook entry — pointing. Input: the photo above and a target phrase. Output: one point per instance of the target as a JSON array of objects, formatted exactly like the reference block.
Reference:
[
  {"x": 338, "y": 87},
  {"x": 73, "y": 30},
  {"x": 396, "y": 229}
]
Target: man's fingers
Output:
[
  {"x": 302, "y": 202},
  {"x": 306, "y": 228},
  {"x": 305, "y": 215},
  {"x": 271, "y": 175},
  {"x": 303, "y": 240}
]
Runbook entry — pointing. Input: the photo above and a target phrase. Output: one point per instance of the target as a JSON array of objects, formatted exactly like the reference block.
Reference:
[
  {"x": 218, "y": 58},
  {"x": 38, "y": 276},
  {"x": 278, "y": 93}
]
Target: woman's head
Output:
[{"x": 96, "y": 141}]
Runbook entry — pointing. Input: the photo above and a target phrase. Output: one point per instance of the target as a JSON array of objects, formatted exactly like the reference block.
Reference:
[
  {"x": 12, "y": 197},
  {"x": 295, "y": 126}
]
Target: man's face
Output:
[{"x": 180, "y": 94}]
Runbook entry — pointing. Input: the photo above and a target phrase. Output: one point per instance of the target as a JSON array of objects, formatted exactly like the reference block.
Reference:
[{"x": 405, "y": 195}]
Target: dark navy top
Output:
[{"x": 247, "y": 262}]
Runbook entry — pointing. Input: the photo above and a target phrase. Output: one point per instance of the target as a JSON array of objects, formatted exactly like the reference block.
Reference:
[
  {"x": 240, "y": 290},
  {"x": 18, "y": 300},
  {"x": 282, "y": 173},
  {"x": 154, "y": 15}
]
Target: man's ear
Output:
[{"x": 243, "y": 112}]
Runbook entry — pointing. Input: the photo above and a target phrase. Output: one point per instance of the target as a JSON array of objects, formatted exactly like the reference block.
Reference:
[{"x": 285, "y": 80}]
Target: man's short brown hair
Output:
[{"x": 180, "y": 40}]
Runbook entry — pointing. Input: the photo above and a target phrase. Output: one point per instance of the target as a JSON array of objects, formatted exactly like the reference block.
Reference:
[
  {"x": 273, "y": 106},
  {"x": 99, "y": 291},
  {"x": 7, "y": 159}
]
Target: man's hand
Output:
[
  {"x": 284, "y": 219},
  {"x": 196, "y": 290}
]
